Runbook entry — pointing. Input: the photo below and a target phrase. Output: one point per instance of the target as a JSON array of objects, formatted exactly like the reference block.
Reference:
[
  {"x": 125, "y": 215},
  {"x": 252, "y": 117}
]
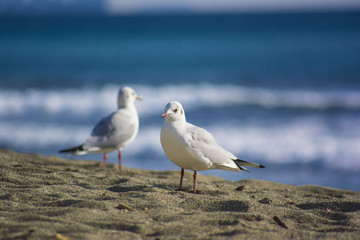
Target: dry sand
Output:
[{"x": 54, "y": 198}]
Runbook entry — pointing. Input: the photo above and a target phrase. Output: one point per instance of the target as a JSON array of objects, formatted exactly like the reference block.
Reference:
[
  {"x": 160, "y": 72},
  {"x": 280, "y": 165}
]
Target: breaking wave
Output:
[{"x": 81, "y": 101}]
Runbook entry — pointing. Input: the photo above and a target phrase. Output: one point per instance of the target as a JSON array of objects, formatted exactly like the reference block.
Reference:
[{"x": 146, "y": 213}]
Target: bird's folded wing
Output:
[
  {"x": 203, "y": 145},
  {"x": 111, "y": 131}
]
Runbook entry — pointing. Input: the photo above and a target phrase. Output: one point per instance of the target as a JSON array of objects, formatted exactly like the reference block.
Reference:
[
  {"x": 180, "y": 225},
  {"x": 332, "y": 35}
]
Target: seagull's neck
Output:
[
  {"x": 179, "y": 125},
  {"x": 128, "y": 105}
]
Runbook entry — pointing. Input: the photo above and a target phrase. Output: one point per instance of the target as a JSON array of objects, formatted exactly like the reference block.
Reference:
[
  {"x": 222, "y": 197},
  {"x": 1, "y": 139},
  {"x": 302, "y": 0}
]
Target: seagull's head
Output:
[
  {"x": 126, "y": 96},
  {"x": 174, "y": 112}
]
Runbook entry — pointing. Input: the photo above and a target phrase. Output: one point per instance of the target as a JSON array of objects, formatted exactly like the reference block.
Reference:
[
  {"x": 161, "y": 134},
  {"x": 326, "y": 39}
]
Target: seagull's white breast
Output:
[{"x": 177, "y": 149}]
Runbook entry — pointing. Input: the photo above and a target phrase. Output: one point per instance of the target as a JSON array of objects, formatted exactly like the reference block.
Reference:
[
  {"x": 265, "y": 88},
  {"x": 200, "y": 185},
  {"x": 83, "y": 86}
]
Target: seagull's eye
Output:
[{"x": 175, "y": 110}]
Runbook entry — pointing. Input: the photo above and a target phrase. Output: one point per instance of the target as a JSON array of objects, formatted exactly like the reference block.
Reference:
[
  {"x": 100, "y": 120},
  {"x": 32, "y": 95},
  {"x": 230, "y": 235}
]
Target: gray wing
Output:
[
  {"x": 112, "y": 131},
  {"x": 204, "y": 145},
  {"x": 104, "y": 127}
]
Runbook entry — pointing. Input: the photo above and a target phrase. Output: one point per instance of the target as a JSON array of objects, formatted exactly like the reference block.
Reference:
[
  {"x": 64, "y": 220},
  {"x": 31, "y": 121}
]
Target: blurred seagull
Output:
[
  {"x": 114, "y": 131},
  {"x": 194, "y": 148}
]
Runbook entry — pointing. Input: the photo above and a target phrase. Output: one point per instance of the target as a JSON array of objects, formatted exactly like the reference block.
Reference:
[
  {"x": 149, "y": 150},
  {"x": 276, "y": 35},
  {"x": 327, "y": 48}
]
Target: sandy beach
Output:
[{"x": 54, "y": 198}]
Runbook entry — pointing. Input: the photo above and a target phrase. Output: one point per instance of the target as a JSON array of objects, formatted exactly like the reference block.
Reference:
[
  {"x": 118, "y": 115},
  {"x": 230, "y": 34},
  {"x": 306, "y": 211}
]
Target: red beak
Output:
[
  {"x": 138, "y": 98},
  {"x": 164, "y": 115}
]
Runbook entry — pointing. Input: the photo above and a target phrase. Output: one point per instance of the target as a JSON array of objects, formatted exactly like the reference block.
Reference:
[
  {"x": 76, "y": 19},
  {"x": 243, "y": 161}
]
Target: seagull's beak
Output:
[
  {"x": 138, "y": 98},
  {"x": 164, "y": 115}
]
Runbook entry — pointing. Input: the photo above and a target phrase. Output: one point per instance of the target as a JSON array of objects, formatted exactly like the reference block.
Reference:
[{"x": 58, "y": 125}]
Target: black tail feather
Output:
[
  {"x": 242, "y": 168},
  {"x": 74, "y": 149},
  {"x": 240, "y": 163}
]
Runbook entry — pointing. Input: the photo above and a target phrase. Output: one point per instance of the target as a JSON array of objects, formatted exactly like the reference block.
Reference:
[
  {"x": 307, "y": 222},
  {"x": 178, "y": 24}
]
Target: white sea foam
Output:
[
  {"x": 77, "y": 102},
  {"x": 29, "y": 135},
  {"x": 86, "y": 101},
  {"x": 300, "y": 140}
]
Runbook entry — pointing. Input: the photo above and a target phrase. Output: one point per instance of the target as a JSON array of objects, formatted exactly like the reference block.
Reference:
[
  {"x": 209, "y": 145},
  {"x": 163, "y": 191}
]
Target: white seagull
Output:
[
  {"x": 194, "y": 148},
  {"x": 114, "y": 131}
]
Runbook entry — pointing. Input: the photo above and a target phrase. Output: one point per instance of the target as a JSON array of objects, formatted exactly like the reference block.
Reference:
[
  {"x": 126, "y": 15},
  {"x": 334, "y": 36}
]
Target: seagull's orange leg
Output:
[
  {"x": 119, "y": 158},
  {"x": 104, "y": 161},
  {"x": 195, "y": 174},
  {"x": 181, "y": 179}
]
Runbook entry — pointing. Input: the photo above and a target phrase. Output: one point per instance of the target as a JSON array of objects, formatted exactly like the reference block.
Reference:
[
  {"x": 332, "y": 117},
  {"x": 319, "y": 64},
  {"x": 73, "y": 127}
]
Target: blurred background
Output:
[{"x": 277, "y": 84}]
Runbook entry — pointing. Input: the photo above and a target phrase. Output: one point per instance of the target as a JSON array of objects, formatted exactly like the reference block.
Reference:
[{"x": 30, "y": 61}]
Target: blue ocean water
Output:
[{"x": 282, "y": 90}]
